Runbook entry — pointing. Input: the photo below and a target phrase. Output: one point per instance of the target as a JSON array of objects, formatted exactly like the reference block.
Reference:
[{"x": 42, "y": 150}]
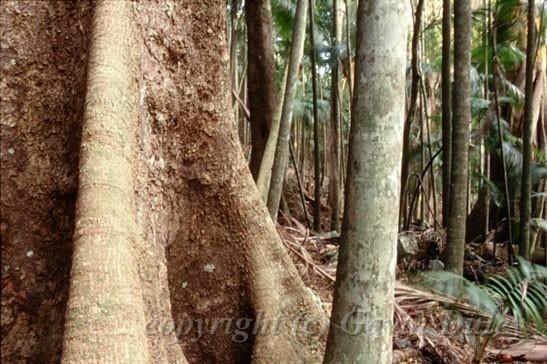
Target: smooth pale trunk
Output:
[{"x": 361, "y": 322}]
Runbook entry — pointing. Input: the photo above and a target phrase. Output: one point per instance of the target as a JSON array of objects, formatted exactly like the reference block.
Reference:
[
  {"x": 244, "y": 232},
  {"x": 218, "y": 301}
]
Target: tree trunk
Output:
[
  {"x": 411, "y": 110},
  {"x": 446, "y": 108},
  {"x": 282, "y": 142},
  {"x": 361, "y": 322},
  {"x": 233, "y": 56},
  {"x": 460, "y": 137},
  {"x": 40, "y": 127},
  {"x": 526, "y": 182},
  {"x": 335, "y": 130},
  {"x": 160, "y": 157},
  {"x": 316, "y": 156},
  {"x": 261, "y": 77}
]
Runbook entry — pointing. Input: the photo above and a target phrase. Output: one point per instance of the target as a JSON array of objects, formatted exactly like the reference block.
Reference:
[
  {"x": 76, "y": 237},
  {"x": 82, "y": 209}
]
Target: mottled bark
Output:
[
  {"x": 279, "y": 166},
  {"x": 260, "y": 77},
  {"x": 460, "y": 137},
  {"x": 446, "y": 118},
  {"x": 526, "y": 181},
  {"x": 361, "y": 321}
]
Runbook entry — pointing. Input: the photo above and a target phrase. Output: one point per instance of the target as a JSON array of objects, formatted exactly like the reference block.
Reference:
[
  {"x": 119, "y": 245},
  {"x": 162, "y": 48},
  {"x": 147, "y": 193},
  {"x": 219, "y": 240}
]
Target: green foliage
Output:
[
  {"x": 520, "y": 292},
  {"x": 538, "y": 223}
]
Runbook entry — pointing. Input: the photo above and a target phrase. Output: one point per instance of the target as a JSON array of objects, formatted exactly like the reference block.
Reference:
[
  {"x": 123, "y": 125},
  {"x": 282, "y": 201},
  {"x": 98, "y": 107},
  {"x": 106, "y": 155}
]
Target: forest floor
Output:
[{"x": 427, "y": 328}]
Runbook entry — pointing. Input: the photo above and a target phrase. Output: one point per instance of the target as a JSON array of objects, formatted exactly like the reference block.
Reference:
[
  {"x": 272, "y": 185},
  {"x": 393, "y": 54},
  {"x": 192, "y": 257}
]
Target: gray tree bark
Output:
[{"x": 361, "y": 321}]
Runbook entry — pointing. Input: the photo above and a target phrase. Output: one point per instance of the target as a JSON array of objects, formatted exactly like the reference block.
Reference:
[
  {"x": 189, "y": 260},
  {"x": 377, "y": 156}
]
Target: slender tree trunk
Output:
[
  {"x": 233, "y": 55},
  {"x": 361, "y": 322},
  {"x": 460, "y": 136},
  {"x": 282, "y": 144},
  {"x": 268, "y": 157},
  {"x": 411, "y": 110},
  {"x": 446, "y": 108},
  {"x": 526, "y": 182},
  {"x": 335, "y": 131},
  {"x": 507, "y": 196},
  {"x": 261, "y": 77},
  {"x": 105, "y": 310},
  {"x": 316, "y": 126}
]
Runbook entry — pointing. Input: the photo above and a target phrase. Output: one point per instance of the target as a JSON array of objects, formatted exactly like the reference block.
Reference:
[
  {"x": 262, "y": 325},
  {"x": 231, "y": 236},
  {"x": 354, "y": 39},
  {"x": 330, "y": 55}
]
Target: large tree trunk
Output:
[
  {"x": 460, "y": 136},
  {"x": 261, "y": 77},
  {"x": 196, "y": 238},
  {"x": 361, "y": 322}
]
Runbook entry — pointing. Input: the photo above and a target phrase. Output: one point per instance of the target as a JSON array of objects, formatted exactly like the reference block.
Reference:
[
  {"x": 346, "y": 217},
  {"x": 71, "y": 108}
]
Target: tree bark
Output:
[
  {"x": 105, "y": 311},
  {"x": 460, "y": 137},
  {"x": 261, "y": 77},
  {"x": 282, "y": 142},
  {"x": 446, "y": 101},
  {"x": 43, "y": 60},
  {"x": 361, "y": 322},
  {"x": 165, "y": 199},
  {"x": 526, "y": 181}
]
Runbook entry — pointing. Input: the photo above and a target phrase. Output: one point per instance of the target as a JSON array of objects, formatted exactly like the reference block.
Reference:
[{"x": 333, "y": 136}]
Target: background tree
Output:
[
  {"x": 460, "y": 136},
  {"x": 260, "y": 77},
  {"x": 282, "y": 139},
  {"x": 526, "y": 182},
  {"x": 446, "y": 84},
  {"x": 335, "y": 136}
]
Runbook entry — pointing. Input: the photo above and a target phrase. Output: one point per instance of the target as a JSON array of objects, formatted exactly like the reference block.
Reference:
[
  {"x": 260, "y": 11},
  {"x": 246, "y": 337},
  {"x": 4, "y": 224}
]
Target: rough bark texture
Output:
[
  {"x": 526, "y": 181},
  {"x": 460, "y": 137},
  {"x": 42, "y": 83},
  {"x": 279, "y": 165},
  {"x": 202, "y": 243},
  {"x": 446, "y": 102},
  {"x": 361, "y": 322},
  {"x": 260, "y": 77}
]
